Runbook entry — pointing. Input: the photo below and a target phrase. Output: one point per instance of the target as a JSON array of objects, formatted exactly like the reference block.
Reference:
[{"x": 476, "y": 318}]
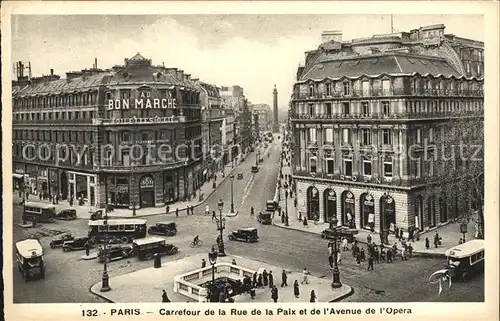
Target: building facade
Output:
[
  {"x": 364, "y": 115},
  {"x": 263, "y": 112},
  {"x": 126, "y": 136}
]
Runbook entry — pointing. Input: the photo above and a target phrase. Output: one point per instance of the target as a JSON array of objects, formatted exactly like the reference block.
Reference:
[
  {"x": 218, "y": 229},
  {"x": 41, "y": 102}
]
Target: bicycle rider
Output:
[{"x": 196, "y": 240}]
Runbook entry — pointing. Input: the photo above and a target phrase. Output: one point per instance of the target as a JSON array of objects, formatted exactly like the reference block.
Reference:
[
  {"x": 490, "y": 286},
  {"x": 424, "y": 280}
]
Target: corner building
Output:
[
  {"x": 108, "y": 126},
  {"x": 357, "y": 103}
]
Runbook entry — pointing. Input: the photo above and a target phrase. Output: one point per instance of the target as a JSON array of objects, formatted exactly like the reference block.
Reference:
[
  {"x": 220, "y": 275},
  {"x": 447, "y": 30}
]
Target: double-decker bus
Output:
[
  {"x": 41, "y": 212},
  {"x": 119, "y": 230}
]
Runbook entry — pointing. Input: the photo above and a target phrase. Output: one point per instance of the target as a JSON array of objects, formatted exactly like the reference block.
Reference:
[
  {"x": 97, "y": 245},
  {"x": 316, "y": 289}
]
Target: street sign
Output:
[{"x": 463, "y": 228}]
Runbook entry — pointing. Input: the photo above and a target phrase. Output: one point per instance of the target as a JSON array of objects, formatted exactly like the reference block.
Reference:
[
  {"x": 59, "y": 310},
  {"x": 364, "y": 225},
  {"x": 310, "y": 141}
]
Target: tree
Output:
[{"x": 455, "y": 164}]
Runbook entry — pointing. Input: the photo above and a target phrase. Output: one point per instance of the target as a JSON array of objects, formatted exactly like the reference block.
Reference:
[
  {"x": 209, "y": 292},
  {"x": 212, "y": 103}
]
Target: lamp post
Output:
[
  {"x": 221, "y": 227},
  {"x": 212, "y": 258},
  {"x": 336, "y": 272},
  {"x": 105, "y": 277},
  {"x": 286, "y": 203},
  {"x": 232, "y": 199}
]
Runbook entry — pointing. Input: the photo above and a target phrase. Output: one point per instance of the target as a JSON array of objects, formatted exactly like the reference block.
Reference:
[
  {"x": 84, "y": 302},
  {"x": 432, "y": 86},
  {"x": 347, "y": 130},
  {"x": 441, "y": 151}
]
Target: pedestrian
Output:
[
  {"x": 296, "y": 290},
  {"x": 255, "y": 278},
  {"x": 177, "y": 212},
  {"x": 344, "y": 244},
  {"x": 207, "y": 210},
  {"x": 370, "y": 262},
  {"x": 167, "y": 209},
  {"x": 411, "y": 236},
  {"x": 264, "y": 277},
  {"x": 164, "y": 297},
  {"x": 305, "y": 221},
  {"x": 270, "y": 276},
  {"x": 381, "y": 237},
  {"x": 305, "y": 273},
  {"x": 401, "y": 234},
  {"x": 461, "y": 241},
  {"x": 369, "y": 238},
  {"x": 300, "y": 216},
  {"x": 203, "y": 263},
  {"x": 339, "y": 258},
  {"x": 376, "y": 255},
  {"x": 330, "y": 261},
  {"x": 313, "y": 297},
  {"x": 437, "y": 240},
  {"x": 382, "y": 254},
  {"x": 394, "y": 251},
  {"x": 283, "y": 279},
  {"x": 214, "y": 216},
  {"x": 410, "y": 250},
  {"x": 427, "y": 245},
  {"x": 389, "y": 256},
  {"x": 358, "y": 259},
  {"x": 234, "y": 262},
  {"x": 87, "y": 248},
  {"x": 362, "y": 254},
  {"x": 274, "y": 294},
  {"x": 396, "y": 232},
  {"x": 259, "y": 280},
  {"x": 295, "y": 203},
  {"x": 252, "y": 291},
  {"x": 403, "y": 253}
]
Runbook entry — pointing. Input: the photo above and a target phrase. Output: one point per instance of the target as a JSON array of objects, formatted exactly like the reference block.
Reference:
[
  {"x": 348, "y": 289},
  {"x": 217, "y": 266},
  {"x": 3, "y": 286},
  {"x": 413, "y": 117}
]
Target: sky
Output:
[{"x": 253, "y": 51}]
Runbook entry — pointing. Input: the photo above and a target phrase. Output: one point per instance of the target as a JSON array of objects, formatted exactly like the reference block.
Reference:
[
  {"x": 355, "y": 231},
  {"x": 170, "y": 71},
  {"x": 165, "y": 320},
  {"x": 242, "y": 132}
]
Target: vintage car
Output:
[
  {"x": 240, "y": 176},
  {"x": 96, "y": 214},
  {"x": 163, "y": 228},
  {"x": 270, "y": 206},
  {"x": 66, "y": 215},
  {"x": 76, "y": 244},
  {"x": 265, "y": 218},
  {"x": 340, "y": 232},
  {"x": 255, "y": 169},
  {"x": 115, "y": 252},
  {"x": 146, "y": 248},
  {"x": 58, "y": 242},
  {"x": 248, "y": 234},
  {"x": 29, "y": 257}
]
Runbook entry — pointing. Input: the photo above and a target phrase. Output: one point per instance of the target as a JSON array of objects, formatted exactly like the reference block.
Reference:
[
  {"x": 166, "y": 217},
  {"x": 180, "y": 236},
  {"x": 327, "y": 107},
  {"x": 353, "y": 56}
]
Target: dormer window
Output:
[
  {"x": 311, "y": 90},
  {"x": 328, "y": 89},
  {"x": 347, "y": 88}
]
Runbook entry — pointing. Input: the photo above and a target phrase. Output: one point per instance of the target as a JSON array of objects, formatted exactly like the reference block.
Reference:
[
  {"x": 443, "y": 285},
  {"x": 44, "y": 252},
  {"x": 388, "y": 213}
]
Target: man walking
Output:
[
  {"x": 214, "y": 216},
  {"x": 283, "y": 278},
  {"x": 305, "y": 273},
  {"x": 370, "y": 262},
  {"x": 177, "y": 212},
  {"x": 271, "y": 279}
]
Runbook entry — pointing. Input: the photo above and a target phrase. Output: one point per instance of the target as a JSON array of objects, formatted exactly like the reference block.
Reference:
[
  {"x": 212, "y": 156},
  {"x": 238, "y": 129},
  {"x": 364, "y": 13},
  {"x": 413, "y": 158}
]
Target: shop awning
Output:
[{"x": 16, "y": 175}]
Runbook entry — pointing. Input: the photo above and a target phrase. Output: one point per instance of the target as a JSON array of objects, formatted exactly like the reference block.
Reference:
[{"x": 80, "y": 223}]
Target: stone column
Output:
[
  {"x": 375, "y": 156},
  {"x": 319, "y": 137},
  {"x": 337, "y": 141}
]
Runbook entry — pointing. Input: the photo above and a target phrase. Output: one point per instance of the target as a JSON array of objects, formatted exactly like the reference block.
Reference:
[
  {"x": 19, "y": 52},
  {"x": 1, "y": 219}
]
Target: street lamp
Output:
[
  {"x": 221, "y": 223},
  {"x": 232, "y": 199},
  {"x": 212, "y": 258},
  {"x": 105, "y": 277},
  {"x": 286, "y": 203},
  {"x": 336, "y": 272}
]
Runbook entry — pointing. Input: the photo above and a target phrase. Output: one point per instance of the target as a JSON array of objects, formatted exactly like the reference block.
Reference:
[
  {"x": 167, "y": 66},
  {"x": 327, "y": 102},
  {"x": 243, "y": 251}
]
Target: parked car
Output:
[
  {"x": 147, "y": 247},
  {"x": 255, "y": 169},
  {"x": 67, "y": 215},
  {"x": 58, "y": 242},
  {"x": 248, "y": 234},
  {"x": 96, "y": 214},
  {"x": 240, "y": 176},
  {"x": 163, "y": 228},
  {"x": 76, "y": 244},
  {"x": 340, "y": 232},
  {"x": 265, "y": 218},
  {"x": 116, "y": 252}
]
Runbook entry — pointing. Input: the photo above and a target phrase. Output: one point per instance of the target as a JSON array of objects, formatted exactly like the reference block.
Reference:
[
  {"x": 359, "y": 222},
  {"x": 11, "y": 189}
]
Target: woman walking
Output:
[
  {"x": 313, "y": 297},
  {"x": 296, "y": 290}
]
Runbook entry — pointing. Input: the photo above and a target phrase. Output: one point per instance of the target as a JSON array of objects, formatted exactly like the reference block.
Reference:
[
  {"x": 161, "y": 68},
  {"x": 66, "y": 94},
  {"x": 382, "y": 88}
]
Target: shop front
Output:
[
  {"x": 348, "y": 207},
  {"x": 82, "y": 187},
  {"x": 312, "y": 203},
  {"x": 147, "y": 192},
  {"x": 171, "y": 187},
  {"x": 330, "y": 206},
  {"x": 367, "y": 210},
  {"x": 387, "y": 213},
  {"x": 118, "y": 191}
]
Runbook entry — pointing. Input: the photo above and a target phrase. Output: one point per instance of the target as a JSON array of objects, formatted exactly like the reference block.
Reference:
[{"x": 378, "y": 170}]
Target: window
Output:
[
  {"x": 366, "y": 136},
  {"x": 328, "y": 108},
  {"x": 386, "y": 87},
  {"x": 108, "y": 95},
  {"x": 328, "y": 89},
  {"x": 311, "y": 90},
  {"x": 125, "y": 94},
  {"x": 386, "y": 137},
  {"x": 329, "y": 135},
  {"x": 467, "y": 67},
  {"x": 431, "y": 134},
  {"x": 311, "y": 109},
  {"x": 347, "y": 88},
  {"x": 329, "y": 166},
  {"x": 365, "y": 87},
  {"x": 367, "y": 167},
  {"x": 386, "y": 110},
  {"x": 312, "y": 163},
  {"x": 312, "y": 135},
  {"x": 388, "y": 168},
  {"x": 347, "y": 167},
  {"x": 365, "y": 108},
  {"x": 125, "y": 136},
  {"x": 346, "y": 136},
  {"x": 418, "y": 133},
  {"x": 125, "y": 158},
  {"x": 346, "y": 108}
]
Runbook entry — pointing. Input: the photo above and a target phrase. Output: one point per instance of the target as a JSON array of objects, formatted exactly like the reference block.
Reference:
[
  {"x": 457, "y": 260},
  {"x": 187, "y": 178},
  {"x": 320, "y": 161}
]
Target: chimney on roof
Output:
[
  {"x": 51, "y": 71},
  {"x": 333, "y": 35},
  {"x": 95, "y": 63}
]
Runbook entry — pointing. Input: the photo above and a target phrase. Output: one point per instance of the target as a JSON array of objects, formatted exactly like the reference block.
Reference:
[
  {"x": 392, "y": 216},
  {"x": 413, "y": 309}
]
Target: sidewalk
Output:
[
  {"x": 146, "y": 285},
  {"x": 83, "y": 210},
  {"x": 449, "y": 232}
]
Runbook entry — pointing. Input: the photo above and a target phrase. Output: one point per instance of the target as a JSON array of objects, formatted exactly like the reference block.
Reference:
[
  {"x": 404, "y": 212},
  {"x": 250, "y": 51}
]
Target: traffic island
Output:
[
  {"x": 91, "y": 256},
  {"x": 184, "y": 281},
  {"x": 232, "y": 214}
]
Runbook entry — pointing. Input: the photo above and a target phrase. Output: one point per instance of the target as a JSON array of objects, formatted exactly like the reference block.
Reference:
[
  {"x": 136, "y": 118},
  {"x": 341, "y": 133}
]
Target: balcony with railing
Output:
[
  {"x": 59, "y": 122},
  {"x": 388, "y": 93}
]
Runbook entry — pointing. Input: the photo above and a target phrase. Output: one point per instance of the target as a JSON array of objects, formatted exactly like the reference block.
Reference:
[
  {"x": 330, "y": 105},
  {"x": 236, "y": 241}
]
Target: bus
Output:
[
  {"x": 466, "y": 259},
  {"x": 41, "y": 212},
  {"x": 119, "y": 230}
]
